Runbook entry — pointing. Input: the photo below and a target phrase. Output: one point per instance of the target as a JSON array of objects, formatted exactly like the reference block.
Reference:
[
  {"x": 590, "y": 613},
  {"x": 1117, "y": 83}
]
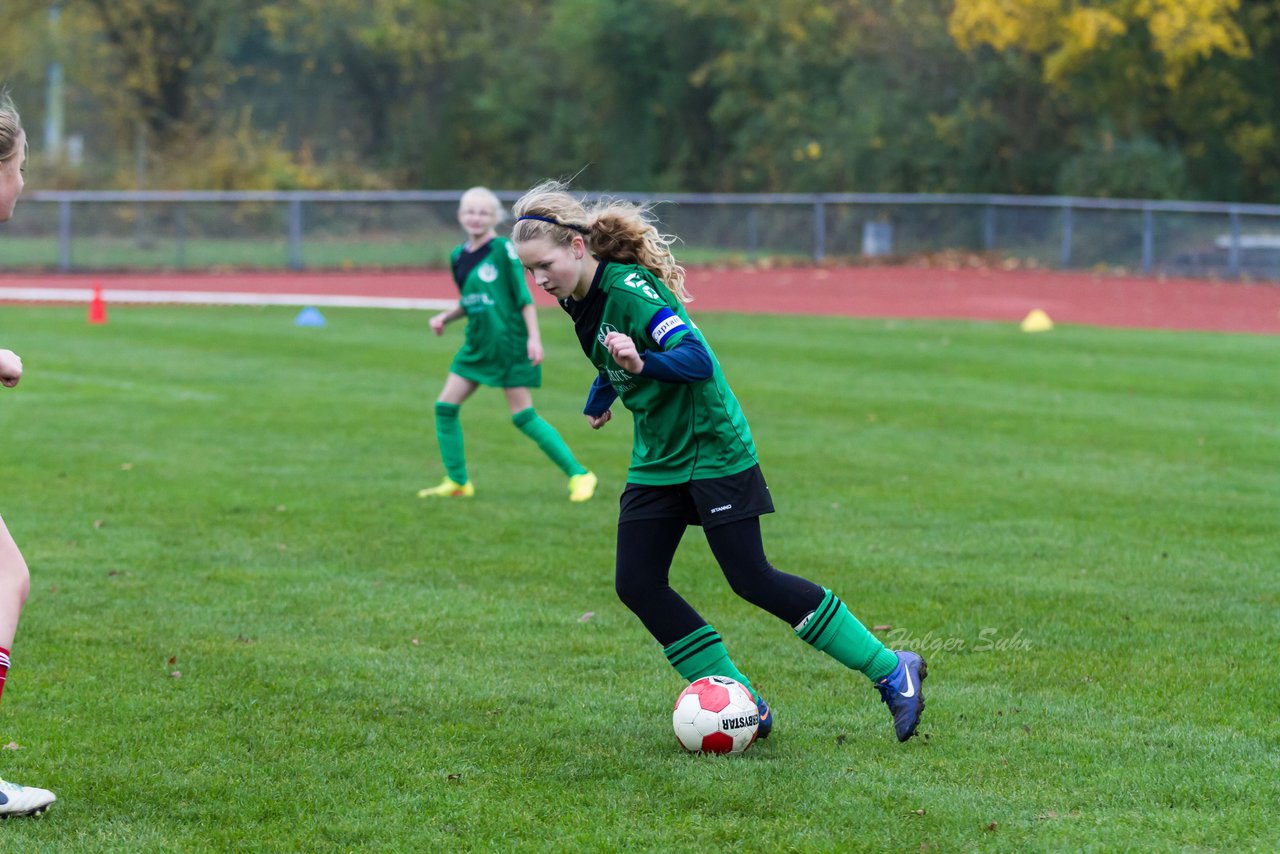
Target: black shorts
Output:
[{"x": 709, "y": 503}]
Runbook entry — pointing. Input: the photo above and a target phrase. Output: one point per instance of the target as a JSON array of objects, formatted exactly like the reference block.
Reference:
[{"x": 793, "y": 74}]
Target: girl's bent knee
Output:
[{"x": 15, "y": 578}]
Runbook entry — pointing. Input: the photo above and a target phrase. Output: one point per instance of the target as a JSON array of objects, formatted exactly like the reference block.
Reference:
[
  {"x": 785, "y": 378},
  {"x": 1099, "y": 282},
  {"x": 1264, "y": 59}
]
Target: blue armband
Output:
[
  {"x": 688, "y": 361},
  {"x": 600, "y": 397}
]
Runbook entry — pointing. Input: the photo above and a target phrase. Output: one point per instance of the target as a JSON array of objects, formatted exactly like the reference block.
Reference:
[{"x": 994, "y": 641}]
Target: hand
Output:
[
  {"x": 535, "y": 352},
  {"x": 598, "y": 421},
  {"x": 623, "y": 350},
  {"x": 438, "y": 321},
  {"x": 10, "y": 368}
]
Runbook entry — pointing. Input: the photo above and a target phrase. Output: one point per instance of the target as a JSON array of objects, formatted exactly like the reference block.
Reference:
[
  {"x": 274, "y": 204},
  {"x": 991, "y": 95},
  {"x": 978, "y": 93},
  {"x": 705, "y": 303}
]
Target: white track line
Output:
[{"x": 114, "y": 295}]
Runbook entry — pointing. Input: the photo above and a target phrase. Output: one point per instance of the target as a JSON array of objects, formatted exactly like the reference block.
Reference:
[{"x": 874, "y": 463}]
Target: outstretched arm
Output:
[
  {"x": 438, "y": 321},
  {"x": 10, "y": 368},
  {"x": 530, "y": 315}
]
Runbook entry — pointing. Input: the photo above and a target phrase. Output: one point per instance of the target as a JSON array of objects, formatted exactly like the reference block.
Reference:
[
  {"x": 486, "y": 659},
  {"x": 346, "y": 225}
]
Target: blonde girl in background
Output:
[{"x": 502, "y": 348}]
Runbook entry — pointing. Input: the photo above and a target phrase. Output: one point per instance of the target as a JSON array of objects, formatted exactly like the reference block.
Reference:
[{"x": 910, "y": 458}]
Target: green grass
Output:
[{"x": 220, "y": 494}]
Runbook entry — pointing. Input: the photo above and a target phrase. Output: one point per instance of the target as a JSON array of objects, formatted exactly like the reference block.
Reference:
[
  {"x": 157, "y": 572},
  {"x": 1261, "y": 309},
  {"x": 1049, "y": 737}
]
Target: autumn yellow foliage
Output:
[{"x": 1067, "y": 34}]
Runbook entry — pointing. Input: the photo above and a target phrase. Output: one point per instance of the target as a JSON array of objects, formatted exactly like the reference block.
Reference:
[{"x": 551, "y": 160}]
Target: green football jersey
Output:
[
  {"x": 683, "y": 431},
  {"x": 492, "y": 293}
]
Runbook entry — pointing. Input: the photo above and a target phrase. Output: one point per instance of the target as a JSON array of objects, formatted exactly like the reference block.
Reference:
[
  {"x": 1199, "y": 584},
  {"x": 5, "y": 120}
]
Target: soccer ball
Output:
[{"x": 715, "y": 714}]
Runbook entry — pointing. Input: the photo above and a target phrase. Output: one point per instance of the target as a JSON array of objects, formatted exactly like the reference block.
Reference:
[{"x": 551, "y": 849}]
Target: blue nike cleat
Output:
[
  {"x": 766, "y": 719},
  {"x": 902, "y": 692}
]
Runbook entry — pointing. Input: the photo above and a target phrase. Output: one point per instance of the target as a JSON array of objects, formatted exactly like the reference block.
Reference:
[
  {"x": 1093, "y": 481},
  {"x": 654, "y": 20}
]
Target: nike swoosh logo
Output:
[{"x": 911, "y": 687}]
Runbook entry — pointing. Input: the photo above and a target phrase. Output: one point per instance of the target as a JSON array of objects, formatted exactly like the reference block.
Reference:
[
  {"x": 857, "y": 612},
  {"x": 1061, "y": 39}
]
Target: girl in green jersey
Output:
[
  {"x": 502, "y": 348},
  {"x": 15, "y": 579},
  {"x": 693, "y": 460}
]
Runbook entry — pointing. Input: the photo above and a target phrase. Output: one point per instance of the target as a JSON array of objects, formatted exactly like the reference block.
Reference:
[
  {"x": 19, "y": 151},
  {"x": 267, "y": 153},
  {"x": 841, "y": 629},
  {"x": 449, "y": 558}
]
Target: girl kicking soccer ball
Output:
[
  {"x": 502, "y": 348},
  {"x": 693, "y": 461}
]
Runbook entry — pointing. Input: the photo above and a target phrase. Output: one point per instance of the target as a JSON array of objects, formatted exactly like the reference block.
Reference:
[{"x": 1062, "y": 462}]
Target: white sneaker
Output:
[{"x": 23, "y": 800}]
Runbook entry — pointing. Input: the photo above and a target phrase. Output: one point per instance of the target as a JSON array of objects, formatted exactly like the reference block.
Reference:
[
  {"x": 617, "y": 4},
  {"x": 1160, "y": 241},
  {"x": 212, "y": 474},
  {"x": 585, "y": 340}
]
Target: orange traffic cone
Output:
[{"x": 97, "y": 308}]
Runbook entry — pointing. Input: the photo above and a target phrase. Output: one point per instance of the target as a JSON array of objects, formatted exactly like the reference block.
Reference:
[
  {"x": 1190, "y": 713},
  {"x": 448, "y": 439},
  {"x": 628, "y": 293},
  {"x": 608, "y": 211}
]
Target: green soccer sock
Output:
[
  {"x": 449, "y": 435},
  {"x": 701, "y": 653},
  {"x": 536, "y": 428},
  {"x": 833, "y": 630}
]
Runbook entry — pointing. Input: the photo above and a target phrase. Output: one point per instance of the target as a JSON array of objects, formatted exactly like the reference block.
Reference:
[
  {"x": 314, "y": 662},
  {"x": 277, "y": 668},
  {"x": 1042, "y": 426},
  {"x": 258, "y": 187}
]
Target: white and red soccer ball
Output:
[{"x": 715, "y": 714}]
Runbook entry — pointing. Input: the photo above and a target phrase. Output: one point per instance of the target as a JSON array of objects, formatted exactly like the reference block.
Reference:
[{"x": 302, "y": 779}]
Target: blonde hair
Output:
[
  {"x": 613, "y": 229},
  {"x": 490, "y": 197},
  {"x": 10, "y": 126}
]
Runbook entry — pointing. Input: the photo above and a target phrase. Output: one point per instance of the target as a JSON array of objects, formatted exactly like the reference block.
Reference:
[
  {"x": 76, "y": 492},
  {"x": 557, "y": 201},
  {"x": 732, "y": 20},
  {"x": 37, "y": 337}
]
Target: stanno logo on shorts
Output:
[{"x": 721, "y": 507}]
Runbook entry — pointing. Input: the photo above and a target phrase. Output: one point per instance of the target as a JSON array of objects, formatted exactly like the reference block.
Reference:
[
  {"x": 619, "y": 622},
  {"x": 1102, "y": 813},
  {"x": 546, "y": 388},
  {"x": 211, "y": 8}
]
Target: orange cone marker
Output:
[{"x": 97, "y": 308}]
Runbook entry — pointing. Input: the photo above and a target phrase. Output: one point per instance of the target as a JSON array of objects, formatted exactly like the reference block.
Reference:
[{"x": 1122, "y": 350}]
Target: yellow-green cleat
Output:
[
  {"x": 448, "y": 488},
  {"x": 582, "y": 486}
]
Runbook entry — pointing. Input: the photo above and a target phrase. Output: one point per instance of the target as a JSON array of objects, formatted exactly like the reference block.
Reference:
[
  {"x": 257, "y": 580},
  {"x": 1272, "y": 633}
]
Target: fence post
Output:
[
  {"x": 1148, "y": 239},
  {"x": 180, "y": 231},
  {"x": 753, "y": 233},
  {"x": 1067, "y": 227},
  {"x": 989, "y": 228},
  {"x": 1233, "y": 251},
  {"x": 819, "y": 231},
  {"x": 295, "y": 234},
  {"x": 64, "y": 235}
]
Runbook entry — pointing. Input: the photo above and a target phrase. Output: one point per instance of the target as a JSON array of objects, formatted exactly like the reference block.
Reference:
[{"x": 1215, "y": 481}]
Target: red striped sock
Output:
[{"x": 4, "y": 667}]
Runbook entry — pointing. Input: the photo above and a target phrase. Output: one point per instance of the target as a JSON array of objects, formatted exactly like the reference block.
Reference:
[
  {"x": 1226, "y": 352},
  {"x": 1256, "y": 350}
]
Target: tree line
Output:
[{"x": 1122, "y": 98}]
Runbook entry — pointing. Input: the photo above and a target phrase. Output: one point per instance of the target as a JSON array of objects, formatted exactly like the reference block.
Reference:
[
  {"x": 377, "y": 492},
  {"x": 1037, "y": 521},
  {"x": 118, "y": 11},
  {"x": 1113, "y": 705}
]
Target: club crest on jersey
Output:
[
  {"x": 487, "y": 273},
  {"x": 605, "y": 329}
]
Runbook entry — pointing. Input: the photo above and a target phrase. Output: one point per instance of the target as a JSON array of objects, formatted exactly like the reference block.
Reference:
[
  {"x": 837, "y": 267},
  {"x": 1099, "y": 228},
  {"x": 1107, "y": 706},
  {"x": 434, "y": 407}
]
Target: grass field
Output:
[{"x": 246, "y": 634}]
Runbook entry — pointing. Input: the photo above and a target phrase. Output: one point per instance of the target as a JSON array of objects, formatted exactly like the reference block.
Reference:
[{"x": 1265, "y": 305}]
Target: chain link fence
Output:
[{"x": 196, "y": 230}]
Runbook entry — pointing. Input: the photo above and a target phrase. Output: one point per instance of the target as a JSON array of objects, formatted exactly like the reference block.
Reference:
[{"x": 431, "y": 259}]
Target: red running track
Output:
[{"x": 902, "y": 292}]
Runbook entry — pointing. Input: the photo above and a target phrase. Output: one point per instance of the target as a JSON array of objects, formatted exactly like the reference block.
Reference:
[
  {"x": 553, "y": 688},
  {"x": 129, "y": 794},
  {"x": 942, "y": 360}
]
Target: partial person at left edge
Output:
[{"x": 15, "y": 579}]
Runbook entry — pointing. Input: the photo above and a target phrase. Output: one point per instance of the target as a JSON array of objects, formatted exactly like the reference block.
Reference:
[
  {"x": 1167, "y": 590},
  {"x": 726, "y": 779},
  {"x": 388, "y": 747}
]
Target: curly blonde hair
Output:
[
  {"x": 612, "y": 229},
  {"x": 10, "y": 126}
]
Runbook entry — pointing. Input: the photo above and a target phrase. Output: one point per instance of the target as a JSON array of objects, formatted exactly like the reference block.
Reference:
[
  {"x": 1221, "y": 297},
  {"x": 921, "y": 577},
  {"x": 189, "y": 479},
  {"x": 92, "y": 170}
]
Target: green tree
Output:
[
  {"x": 143, "y": 70},
  {"x": 1115, "y": 97},
  {"x": 161, "y": 51},
  {"x": 1165, "y": 97}
]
